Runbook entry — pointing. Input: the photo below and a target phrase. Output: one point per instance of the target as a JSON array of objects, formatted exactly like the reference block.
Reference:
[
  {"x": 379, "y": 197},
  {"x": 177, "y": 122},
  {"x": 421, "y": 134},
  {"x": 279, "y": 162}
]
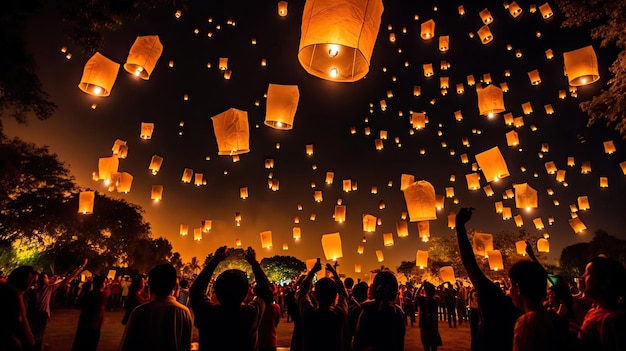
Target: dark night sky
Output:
[{"x": 325, "y": 114}]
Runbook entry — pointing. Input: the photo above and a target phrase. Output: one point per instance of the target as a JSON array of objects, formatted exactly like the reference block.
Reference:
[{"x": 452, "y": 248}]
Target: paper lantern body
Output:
[
  {"x": 85, "y": 202},
  {"x": 444, "y": 43},
  {"x": 418, "y": 120},
  {"x": 543, "y": 245},
  {"x": 519, "y": 222},
  {"x": 338, "y": 38},
  {"x": 577, "y": 225},
  {"x": 525, "y": 196},
  {"x": 107, "y": 166},
  {"x": 207, "y": 224},
  {"x": 484, "y": 33},
  {"x": 296, "y": 233},
  {"x": 546, "y": 11},
  {"x": 155, "y": 164},
  {"x": 473, "y": 181},
  {"x": 446, "y": 274},
  {"x": 495, "y": 260},
  {"x": 427, "y": 30},
  {"x": 231, "y": 132},
  {"x": 99, "y": 75},
  {"x": 483, "y": 242},
  {"x": 120, "y": 149},
  {"x": 184, "y": 229},
  {"x": 520, "y": 247},
  {"x": 282, "y": 102},
  {"x": 143, "y": 56},
  {"x": 146, "y": 130},
  {"x": 357, "y": 268},
  {"x": 514, "y": 9},
  {"x": 266, "y": 239},
  {"x": 388, "y": 239},
  {"x": 492, "y": 164},
  {"x": 282, "y": 8},
  {"x": 512, "y": 138},
  {"x": 197, "y": 234},
  {"x": 406, "y": 180},
  {"x": 402, "y": 229},
  {"x": 423, "y": 229},
  {"x": 331, "y": 243},
  {"x": 122, "y": 182},
  {"x": 340, "y": 213},
  {"x": 379, "y": 255},
  {"x": 420, "y": 201},
  {"x": 369, "y": 223},
  {"x": 609, "y": 147},
  {"x": 421, "y": 259},
  {"x": 490, "y": 100},
  {"x": 581, "y": 66},
  {"x": 157, "y": 193}
]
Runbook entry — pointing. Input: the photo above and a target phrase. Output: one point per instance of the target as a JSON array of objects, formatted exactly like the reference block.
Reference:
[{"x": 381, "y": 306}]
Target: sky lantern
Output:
[
  {"x": 369, "y": 223},
  {"x": 331, "y": 244},
  {"x": 581, "y": 66},
  {"x": 506, "y": 213},
  {"x": 357, "y": 268},
  {"x": 143, "y": 56},
  {"x": 120, "y": 149},
  {"x": 423, "y": 230},
  {"x": 231, "y": 132},
  {"x": 519, "y": 222},
  {"x": 543, "y": 245},
  {"x": 146, "y": 130},
  {"x": 585, "y": 167},
  {"x": 470, "y": 80},
  {"x": 85, "y": 202},
  {"x": 451, "y": 220},
  {"x": 184, "y": 229},
  {"x": 378, "y": 143},
  {"x": 549, "y": 109},
  {"x": 338, "y": 38},
  {"x": 623, "y": 167},
  {"x": 483, "y": 242},
  {"x": 490, "y": 100},
  {"x": 155, "y": 164},
  {"x": 427, "y": 30},
  {"x": 340, "y": 213},
  {"x": 329, "y": 177},
  {"x": 406, "y": 180},
  {"x": 505, "y": 87},
  {"x": 550, "y": 167},
  {"x": 444, "y": 82},
  {"x": 508, "y": 119},
  {"x": 379, "y": 255},
  {"x": 577, "y": 225},
  {"x": 473, "y": 181},
  {"x": 428, "y": 69},
  {"x": 266, "y": 239},
  {"x": 187, "y": 174},
  {"x": 604, "y": 182},
  {"x": 243, "y": 192},
  {"x": 99, "y": 75},
  {"x": 485, "y": 16},
  {"x": 545, "y": 10},
  {"x": 421, "y": 259},
  {"x": 420, "y": 201},
  {"x": 402, "y": 229},
  {"x": 527, "y": 108},
  {"x": 281, "y": 105},
  {"x": 484, "y": 33},
  {"x": 388, "y": 239},
  {"x": 107, "y": 166},
  {"x": 525, "y": 196},
  {"x": 157, "y": 193},
  {"x": 487, "y": 78},
  {"x": 418, "y": 120},
  {"x": 417, "y": 90},
  {"x": 583, "y": 203},
  {"x": 520, "y": 247},
  {"x": 560, "y": 175},
  {"x": 296, "y": 233},
  {"x": 492, "y": 164},
  {"x": 269, "y": 163},
  {"x": 223, "y": 63},
  {"x": 446, "y": 273},
  {"x": 488, "y": 190},
  {"x": 309, "y": 149},
  {"x": 197, "y": 234},
  {"x": 207, "y": 224},
  {"x": 198, "y": 179},
  {"x": 609, "y": 147},
  {"x": 450, "y": 192},
  {"x": 121, "y": 182},
  {"x": 444, "y": 43},
  {"x": 534, "y": 77},
  {"x": 360, "y": 249},
  {"x": 514, "y": 9},
  {"x": 495, "y": 260},
  {"x": 282, "y": 8},
  {"x": 512, "y": 138},
  {"x": 538, "y": 223},
  {"x": 317, "y": 196},
  {"x": 347, "y": 185}
]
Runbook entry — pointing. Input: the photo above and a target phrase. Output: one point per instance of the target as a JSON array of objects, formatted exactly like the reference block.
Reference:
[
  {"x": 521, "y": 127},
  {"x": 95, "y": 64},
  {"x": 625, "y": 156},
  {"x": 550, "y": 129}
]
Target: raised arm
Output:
[
  {"x": 262, "y": 289},
  {"x": 197, "y": 291},
  {"x": 305, "y": 286},
  {"x": 474, "y": 272},
  {"x": 341, "y": 289}
]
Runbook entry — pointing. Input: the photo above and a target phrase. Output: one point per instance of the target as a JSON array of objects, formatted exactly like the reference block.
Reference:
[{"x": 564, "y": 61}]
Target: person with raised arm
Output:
[
  {"x": 497, "y": 313},
  {"x": 229, "y": 324}
]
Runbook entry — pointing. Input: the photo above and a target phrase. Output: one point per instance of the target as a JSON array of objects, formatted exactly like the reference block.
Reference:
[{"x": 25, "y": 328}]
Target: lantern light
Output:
[
  {"x": 495, "y": 260},
  {"x": 282, "y": 8},
  {"x": 143, "y": 56},
  {"x": 331, "y": 244},
  {"x": 86, "y": 202},
  {"x": 231, "y": 132},
  {"x": 281, "y": 105},
  {"x": 420, "y": 201},
  {"x": 427, "y": 30},
  {"x": 157, "y": 192},
  {"x": 99, "y": 75},
  {"x": 581, "y": 66}
]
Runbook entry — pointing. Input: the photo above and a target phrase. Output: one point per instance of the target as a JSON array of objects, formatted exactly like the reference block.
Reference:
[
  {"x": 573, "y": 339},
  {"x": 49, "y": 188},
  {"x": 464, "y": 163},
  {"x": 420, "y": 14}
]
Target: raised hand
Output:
[
  {"x": 249, "y": 255},
  {"x": 316, "y": 267},
  {"x": 221, "y": 253},
  {"x": 463, "y": 216}
]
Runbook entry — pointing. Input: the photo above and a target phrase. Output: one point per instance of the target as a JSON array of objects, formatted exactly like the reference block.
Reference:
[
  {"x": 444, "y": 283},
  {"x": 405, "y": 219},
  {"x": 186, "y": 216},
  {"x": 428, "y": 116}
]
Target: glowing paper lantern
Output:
[
  {"x": 243, "y": 193},
  {"x": 527, "y": 108},
  {"x": 155, "y": 164},
  {"x": 357, "y": 268},
  {"x": 143, "y": 56},
  {"x": 546, "y": 11},
  {"x": 317, "y": 196},
  {"x": 609, "y": 147},
  {"x": 421, "y": 259},
  {"x": 107, "y": 166},
  {"x": 473, "y": 181},
  {"x": 470, "y": 80},
  {"x": 483, "y": 242},
  {"x": 577, "y": 225},
  {"x": 231, "y": 132},
  {"x": 427, "y": 30},
  {"x": 86, "y": 201},
  {"x": 338, "y": 38},
  {"x": 428, "y": 69},
  {"x": 402, "y": 229},
  {"x": 538, "y": 223},
  {"x": 604, "y": 182},
  {"x": 266, "y": 239},
  {"x": 492, "y": 164},
  {"x": 369, "y": 223},
  {"x": 146, "y": 130},
  {"x": 550, "y": 167},
  {"x": 331, "y": 244},
  {"x": 534, "y": 77},
  {"x": 484, "y": 33},
  {"x": 581, "y": 66},
  {"x": 121, "y": 182},
  {"x": 157, "y": 193},
  {"x": 282, "y": 8},
  {"x": 388, "y": 239},
  {"x": 418, "y": 120},
  {"x": 282, "y": 102},
  {"x": 525, "y": 196},
  {"x": 423, "y": 229},
  {"x": 347, "y": 185},
  {"x": 379, "y": 255},
  {"x": 360, "y": 249},
  {"x": 329, "y": 177},
  {"x": 340, "y": 213},
  {"x": 99, "y": 75},
  {"x": 120, "y": 149},
  {"x": 543, "y": 245},
  {"x": 512, "y": 138},
  {"x": 198, "y": 179},
  {"x": 585, "y": 167},
  {"x": 184, "y": 229},
  {"x": 197, "y": 234},
  {"x": 519, "y": 222},
  {"x": 187, "y": 174},
  {"x": 560, "y": 175},
  {"x": 623, "y": 167},
  {"x": 444, "y": 43},
  {"x": 406, "y": 180},
  {"x": 485, "y": 16},
  {"x": 446, "y": 273},
  {"x": 296, "y": 233},
  {"x": 520, "y": 247},
  {"x": 451, "y": 220},
  {"x": 490, "y": 100},
  {"x": 309, "y": 149},
  {"x": 514, "y": 9},
  {"x": 583, "y": 203},
  {"x": 495, "y": 260},
  {"x": 420, "y": 201}
]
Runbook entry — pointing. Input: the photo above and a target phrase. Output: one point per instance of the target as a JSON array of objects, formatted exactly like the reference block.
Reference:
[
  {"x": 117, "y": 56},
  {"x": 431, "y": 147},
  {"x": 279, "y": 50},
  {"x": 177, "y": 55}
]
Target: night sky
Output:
[{"x": 325, "y": 115}]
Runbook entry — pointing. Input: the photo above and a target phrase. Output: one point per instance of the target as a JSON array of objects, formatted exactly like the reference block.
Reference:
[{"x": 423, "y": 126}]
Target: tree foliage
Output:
[
  {"x": 607, "y": 18},
  {"x": 575, "y": 257},
  {"x": 282, "y": 268},
  {"x": 234, "y": 260}
]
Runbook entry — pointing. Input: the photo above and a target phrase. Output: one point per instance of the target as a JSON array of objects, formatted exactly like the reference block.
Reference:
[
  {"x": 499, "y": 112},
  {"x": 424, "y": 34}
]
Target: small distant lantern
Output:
[
  {"x": 519, "y": 222},
  {"x": 538, "y": 223},
  {"x": 549, "y": 54},
  {"x": 388, "y": 239},
  {"x": 347, "y": 185},
  {"x": 495, "y": 260},
  {"x": 484, "y": 33},
  {"x": 604, "y": 182},
  {"x": 488, "y": 190},
  {"x": 609, "y": 147},
  {"x": 428, "y": 69},
  {"x": 417, "y": 90},
  {"x": 490, "y": 100},
  {"x": 585, "y": 167},
  {"x": 378, "y": 143},
  {"x": 86, "y": 201},
  {"x": 406, "y": 180},
  {"x": 581, "y": 66},
  {"x": 492, "y": 164},
  {"x": 207, "y": 224},
  {"x": 461, "y": 10},
  {"x": 223, "y": 63},
  {"x": 357, "y": 268},
  {"x": 550, "y": 167},
  {"x": 420, "y": 201},
  {"x": 296, "y": 233},
  {"x": 546, "y": 11},
  {"x": 143, "y": 56},
  {"x": 543, "y": 245},
  {"x": 146, "y": 130},
  {"x": 451, "y": 220},
  {"x": 369, "y": 223},
  {"x": 231, "y": 132},
  {"x": 525, "y": 196},
  {"x": 470, "y": 80},
  {"x": 527, "y": 108},
  {"x": 243, "y": 193},
  {"x": 360, "y": 249},
  {"x": 623, "y": 167},
  {"x": 485, "y": 16},
  {"x": 473, "y": 181},
  {"x": 155, "y": 164},
  {"x": 157, "y": 193},
  {"x": 282, "y": 102},
  {"x": 450, "y": 192},
  {"x": 583, "y": 203},
  {"x": 402, "y": 229},
  {"x": 512, "y": 138},
  {"x": 444, "y": 43},
  {"x": 309, "y": 149},
  {"x": 379, "y": 255},
  {"x": 266, "y": 239},
  {"x": 506, "y": 213},
  {"x": 331, "y": 244},
  {"x": 99, "y": 75},
  {"x": 282, "y": 8},
  {"x": 198, "y": 179},
  {"x": 329, "y": 177},
  {"x": 427, "y": 30},
  {"x": 418, "y": 120},
  {"x": 107, "y": 166},
  {"x": 444, "y": 82},
  {"x": 338, "y": 38},
  {"x": 340, "y": 213},
  {"x": 483, "y": 242},
  {"x": 187, "y": 174},
  {"x": 520, "y": 247},
  {"x": 534, "y": 77},
  {"x": 514, "y": 9},
  {"x": 197, "y": 234},
  {"x": 560, "y": 175},
  {"x": 184, "y": 229},
  {"x": 577, "y": 225}
]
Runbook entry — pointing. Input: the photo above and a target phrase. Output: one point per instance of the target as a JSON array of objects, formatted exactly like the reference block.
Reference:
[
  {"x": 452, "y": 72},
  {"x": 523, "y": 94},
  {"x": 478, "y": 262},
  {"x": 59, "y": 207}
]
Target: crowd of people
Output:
[{"x": 530, "y": 311}]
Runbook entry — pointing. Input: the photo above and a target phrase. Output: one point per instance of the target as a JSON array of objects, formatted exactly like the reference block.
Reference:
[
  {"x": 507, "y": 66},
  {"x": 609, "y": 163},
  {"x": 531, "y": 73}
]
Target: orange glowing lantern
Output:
[
  {"x": 444, "y": 43},
  {"x": 198, "y": 179},
  {"x": 360, "y": 249},
  {"x": 446, "y": 273},
  {"x": 379, "y": 255},
  {"x": 495, "y": 260},
  {"x": 157, "y": 193},
  {"x": 388, "y": 239},
  {"x": 583, "y": 203},
  {"x": 485, "y": 16},
  {"x": 534, "y": 77},
  {"x": 525, "y": 196},
  {"x": 120, "y": 149},
  {"x": 484, "y": 33},
  {"x": 473, "y": 181},
  {"x": 99, "y": 75},
  {"x": 143, "y": 56},
  {"x": 231, "y": 132},
  {"x": 609, "y": 147},
  {"x": 338, "y": 38},
  {"x": 451, "y": 220},
  {"x": 514, "y": 9},
  {"x": 543, "y": 245},
  {"x": 490, "y": 100},
  {"x": 309, "y": 149},
  {"x": 184, "y": 229},
  {"x": 266, "y": 239},
  {"x": 223, "y": 63},
  {"x": 604, "y": 182},
  {"x": 282, "y": 8},
  {"x": 519, "y": 222},
  {"x": 146, "y": 130},
  {"x": 317, "y": 196},
  {"x": 406, "y": 180},
  {"x": 197, "y": 234},
  {"x": 418, "y": 120},
  {"x": 331, "y": 244},
  {"x": 581, "y": 66},
  {"x": 282, "y": 102},
  {"x": 520, "y": 247},
  {"x": 357, "y": 268},
  {"x": 340, "y": 213},
  {"x": 296, "y": 233},
  {"x": 329, "y": 177},
  {"x": 577, "y": 225},
  {"x": 347, "y": 185},
  {"x": 107, "y": 166},
  {"x": 420, "y": 201},
  {"x": 483, "y": 242},
  {"x": 512, "y": 138},
  {"x": 427, "y": 30},
  {"x": 155, "y": 164},
  {"x": 369, "y": 223},
  {"x": 538, "y": 223},
  {"x": 187, "y": 174},
  {"x": 546, "y": 11},
  {"x": 492, "y": 164},
  {"x": 428, "y": 69},
  {"x": 402, "y": 229},
  {"x": 86, "y": 201}
]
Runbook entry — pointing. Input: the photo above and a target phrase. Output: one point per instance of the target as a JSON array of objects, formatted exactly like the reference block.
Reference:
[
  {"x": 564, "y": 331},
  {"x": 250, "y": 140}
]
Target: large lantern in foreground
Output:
[
  {"x": 525, "y": 196},
  {"x": 492, "y": 164},
  {"x": 483, "y": 242},
  {"x": 143, "y": 56},
  {"x": 490, "y": 100},
  {"x": 446, "y": 273},
  {"x": 331, "y": 243},
  {"x": 99, "y": 75},
  {"x": 421, "y": 201},
  {"x": 231, "y": 132},
  {"x": 495, "y": 260},
  {"x": 581, "y": 66},
  {"x": 85, "y": 202},
  {"x": 421, "y": 259},
  {"x": 282, "y": 102},
  {"x": 338, "y": 38},
  {"x": 266, "y": 239}
]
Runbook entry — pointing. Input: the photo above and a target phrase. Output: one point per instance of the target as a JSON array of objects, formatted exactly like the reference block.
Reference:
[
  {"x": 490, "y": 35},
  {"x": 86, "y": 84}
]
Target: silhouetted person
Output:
[
  {"x": 92, "y": 306},
  {"x": 381, "y": 325},
  {"x": 137, "y": 295},
  {"x": 496, "y": 311},
  {"x": 162, "y": 323},
  {"x": 267, "y": 329},
  {"x": 291, "y": 302},
  {"x": 229, "y": 325},
  {"x": 327, "y": 318},
  {"x": 450, "y": 300},
  {"x": 15, "y": 333},
  {"x": 359, "y": 296},
  {"x": 428, "y": 322},
  {"x": 407, "y": 303}
]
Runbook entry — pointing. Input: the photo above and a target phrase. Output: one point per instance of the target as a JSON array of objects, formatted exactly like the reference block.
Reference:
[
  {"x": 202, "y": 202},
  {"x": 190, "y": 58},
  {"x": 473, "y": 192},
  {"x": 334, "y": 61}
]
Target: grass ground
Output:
[{"x": 62, "y": 327}]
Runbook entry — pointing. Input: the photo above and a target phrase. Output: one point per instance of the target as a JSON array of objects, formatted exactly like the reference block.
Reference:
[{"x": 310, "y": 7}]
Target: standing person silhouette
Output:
[{"x": 497, "y": 314}]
